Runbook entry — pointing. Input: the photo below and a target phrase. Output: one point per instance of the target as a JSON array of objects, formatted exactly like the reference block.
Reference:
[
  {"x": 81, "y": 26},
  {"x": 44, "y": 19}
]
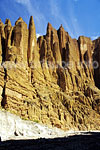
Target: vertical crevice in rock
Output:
[
  {"x": 12, "y": 37},
  {"x": 3, "y": 49},
  {"x": 3, "y": 102},
  {"x": 96, "y": 63},
  {"x": 56, "y": 53},
  {"x": 67, "y": 53},
  {"x": 2, "y": 34},
  {"x": 61, "y": 78},
  {"x": 80, "y": 55}
]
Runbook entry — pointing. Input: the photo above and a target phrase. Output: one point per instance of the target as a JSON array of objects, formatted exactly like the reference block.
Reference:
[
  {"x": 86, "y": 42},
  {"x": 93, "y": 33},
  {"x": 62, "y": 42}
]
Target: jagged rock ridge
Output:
[{"x": 52, "y": 79}]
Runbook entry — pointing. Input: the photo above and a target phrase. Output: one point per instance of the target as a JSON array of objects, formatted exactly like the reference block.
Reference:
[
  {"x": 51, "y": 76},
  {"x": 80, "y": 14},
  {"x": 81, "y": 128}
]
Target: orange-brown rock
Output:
[
  {"x": 2, "y": 29},
  {"x": 2, "y": 34},
  {"x": 52, "y": 79},
  {"x": 0, "y": 50},
  {"x": 96, "y": 58},
  {"x": 20, "y": 40},
  {"x": 32, "y": 42}
]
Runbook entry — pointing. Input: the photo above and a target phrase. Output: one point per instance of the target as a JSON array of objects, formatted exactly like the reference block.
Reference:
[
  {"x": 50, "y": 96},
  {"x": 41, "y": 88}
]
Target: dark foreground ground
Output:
[{"x": 77, "y": 142}]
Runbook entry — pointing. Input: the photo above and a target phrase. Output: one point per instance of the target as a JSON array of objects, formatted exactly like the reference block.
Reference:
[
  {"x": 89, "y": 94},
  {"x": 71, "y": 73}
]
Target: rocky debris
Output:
[
  {"x": 52, "y": 79},
  {"x": 14, "y": 128}
]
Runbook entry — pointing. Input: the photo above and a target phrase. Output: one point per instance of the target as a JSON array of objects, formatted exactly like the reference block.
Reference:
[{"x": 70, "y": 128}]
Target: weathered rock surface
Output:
[{"x": 53, "y": 79}]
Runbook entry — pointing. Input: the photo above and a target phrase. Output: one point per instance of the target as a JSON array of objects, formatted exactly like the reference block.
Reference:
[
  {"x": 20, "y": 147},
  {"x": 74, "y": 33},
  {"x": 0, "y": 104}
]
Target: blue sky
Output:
[{"x": 78, "y": 17}]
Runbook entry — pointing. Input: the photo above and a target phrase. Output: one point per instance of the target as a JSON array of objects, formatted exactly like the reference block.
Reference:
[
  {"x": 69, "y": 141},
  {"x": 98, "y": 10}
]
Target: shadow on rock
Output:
[{"x": 87, "y": 141}]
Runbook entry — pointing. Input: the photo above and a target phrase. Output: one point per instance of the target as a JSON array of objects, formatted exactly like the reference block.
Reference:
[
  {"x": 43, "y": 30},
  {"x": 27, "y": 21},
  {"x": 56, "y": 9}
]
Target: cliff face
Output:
[{"x": 52, "y": 79}]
